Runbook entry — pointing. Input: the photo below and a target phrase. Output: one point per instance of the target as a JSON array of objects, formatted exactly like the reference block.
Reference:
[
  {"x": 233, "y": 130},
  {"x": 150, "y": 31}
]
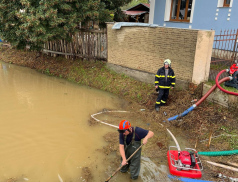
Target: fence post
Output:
[{"x": 235, "y": 44}]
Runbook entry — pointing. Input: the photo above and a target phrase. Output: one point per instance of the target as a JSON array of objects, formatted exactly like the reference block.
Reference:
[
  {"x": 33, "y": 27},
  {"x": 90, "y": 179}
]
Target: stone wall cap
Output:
[{"x": 118, "y": 25}]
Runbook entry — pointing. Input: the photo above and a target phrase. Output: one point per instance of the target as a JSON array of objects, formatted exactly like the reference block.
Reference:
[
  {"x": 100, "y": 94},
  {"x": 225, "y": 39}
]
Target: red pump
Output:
[
  {"x": 233, "y": 71},
  {"x": 185, "y": 158},
  {"x": 184, "y": 163}
]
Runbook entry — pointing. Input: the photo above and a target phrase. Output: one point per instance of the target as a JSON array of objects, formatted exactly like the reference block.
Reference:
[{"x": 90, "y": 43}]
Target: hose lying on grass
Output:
[
  {"x": 219, "y": 153},
  {"x": 198, "y": 102}
]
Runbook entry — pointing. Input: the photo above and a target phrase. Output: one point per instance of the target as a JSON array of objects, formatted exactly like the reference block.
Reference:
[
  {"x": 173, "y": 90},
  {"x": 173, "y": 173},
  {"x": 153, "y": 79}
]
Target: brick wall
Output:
[{"x": 145, "y": 48}]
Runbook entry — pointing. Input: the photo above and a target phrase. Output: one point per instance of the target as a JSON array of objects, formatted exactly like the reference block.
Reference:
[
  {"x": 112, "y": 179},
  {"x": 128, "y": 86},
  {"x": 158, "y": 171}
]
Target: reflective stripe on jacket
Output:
[{"x": 161, "y": 81}]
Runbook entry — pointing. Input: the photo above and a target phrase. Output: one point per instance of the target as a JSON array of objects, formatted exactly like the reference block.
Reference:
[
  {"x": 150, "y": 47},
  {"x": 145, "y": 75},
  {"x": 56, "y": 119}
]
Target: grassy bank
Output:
[
  {"x": 231, "y": 89},
  {"x": 91, "y": 73}
]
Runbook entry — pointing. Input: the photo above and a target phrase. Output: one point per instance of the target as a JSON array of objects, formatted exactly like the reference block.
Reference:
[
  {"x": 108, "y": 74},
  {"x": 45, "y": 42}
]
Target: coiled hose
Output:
[
  {"x": 219, "y": 153},
  {"x": 222, "y": 89}
]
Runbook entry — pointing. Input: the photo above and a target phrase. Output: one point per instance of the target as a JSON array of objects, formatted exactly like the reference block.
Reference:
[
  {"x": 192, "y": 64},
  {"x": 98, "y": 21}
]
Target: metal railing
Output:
[{"x": 224, "y": 53}]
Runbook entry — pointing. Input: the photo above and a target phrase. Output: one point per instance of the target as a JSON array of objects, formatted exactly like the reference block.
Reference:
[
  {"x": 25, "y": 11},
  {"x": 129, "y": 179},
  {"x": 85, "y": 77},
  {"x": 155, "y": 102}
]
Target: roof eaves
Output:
[
  {"x": 137, "y": 5},
  {"x": 147, "y": 5},
  {"x": 139, "y": 13}
]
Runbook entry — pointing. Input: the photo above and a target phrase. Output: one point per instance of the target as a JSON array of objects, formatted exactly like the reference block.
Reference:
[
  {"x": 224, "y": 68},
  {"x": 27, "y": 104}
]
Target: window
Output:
[
  {"x": 181, "y": 10},
  {"x": 226, "y": 3}
]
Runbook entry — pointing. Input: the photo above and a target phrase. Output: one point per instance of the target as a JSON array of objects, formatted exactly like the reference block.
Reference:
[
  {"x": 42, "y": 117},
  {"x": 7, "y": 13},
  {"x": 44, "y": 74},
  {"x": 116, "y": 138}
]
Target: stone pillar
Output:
[
  {"x": 152, "y": 9},
  {"x": 203, "y": 55}
]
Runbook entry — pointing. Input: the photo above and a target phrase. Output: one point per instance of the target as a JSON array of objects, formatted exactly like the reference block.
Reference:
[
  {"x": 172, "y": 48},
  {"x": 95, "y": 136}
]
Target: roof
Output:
[
  {"x": 135, "y": 12},
  {"x": 140, "y": 4},
  {"x": 148, "y": 5}
]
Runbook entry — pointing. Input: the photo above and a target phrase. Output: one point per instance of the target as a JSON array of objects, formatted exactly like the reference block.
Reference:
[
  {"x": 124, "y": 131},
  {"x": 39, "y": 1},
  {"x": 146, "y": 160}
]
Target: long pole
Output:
[
  {"x": 223, "y": 166},
  {"x": 126, "y": 161}
]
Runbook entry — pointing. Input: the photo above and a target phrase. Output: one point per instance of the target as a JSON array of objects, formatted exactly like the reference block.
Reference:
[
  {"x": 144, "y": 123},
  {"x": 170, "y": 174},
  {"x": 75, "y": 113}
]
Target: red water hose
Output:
[
  {"x": 222, "y": 89},
  {"x": 211, "y": 90}
]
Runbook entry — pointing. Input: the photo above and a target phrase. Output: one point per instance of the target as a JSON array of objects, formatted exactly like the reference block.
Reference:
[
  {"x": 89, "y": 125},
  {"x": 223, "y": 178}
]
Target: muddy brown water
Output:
[{"x": 45, "y": 133}]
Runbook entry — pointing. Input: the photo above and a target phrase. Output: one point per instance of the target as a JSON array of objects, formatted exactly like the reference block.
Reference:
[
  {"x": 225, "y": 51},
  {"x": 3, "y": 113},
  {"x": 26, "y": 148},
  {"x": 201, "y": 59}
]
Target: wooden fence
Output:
[{"x": 85, "y": 44}]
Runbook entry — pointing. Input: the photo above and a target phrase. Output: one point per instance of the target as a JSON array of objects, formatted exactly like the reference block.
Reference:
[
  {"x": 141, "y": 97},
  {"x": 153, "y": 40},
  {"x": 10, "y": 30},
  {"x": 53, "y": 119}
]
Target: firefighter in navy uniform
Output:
[
  {"x": 164, "y": 80},
  {"x": 129, "y": 141}
]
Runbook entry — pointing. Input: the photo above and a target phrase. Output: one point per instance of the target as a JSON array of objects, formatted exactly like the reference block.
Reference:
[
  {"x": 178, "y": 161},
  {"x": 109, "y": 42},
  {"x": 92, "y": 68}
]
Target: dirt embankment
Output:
[{"x": 208, "y": 121}]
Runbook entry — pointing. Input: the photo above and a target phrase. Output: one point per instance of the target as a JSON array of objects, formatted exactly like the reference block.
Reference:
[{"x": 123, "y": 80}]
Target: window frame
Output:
[
  {"x": 221, "y": 3},
  {"x": 225, "y": 4},
  {"x": 177, "y": 15}
]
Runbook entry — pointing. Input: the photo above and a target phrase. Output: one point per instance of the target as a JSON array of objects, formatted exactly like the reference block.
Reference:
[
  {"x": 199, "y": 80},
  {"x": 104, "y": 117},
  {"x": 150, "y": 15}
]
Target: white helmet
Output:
[{"x": 167, "y": 61}]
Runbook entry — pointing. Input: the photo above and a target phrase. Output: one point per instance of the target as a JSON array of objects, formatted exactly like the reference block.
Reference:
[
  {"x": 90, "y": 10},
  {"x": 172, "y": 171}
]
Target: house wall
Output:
[
  {"x": 205, "y": 12},
  {"x": 145, "y": 48}
]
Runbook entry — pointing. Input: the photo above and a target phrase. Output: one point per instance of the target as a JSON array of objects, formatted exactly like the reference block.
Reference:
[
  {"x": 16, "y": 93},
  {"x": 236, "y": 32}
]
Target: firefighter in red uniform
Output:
[{"x": 164, "y": 80}]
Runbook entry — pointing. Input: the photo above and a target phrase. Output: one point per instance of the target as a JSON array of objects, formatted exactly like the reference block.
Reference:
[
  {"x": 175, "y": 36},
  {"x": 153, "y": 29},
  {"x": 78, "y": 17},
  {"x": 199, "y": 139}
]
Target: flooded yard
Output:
[{"x": 45, "y": 132}]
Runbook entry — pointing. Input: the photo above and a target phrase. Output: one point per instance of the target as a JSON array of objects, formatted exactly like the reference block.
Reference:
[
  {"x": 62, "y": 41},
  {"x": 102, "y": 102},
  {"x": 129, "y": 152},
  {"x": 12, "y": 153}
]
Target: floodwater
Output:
[
  {"x": 44, "y": 130},
  {"x": 45, "y": 133}
]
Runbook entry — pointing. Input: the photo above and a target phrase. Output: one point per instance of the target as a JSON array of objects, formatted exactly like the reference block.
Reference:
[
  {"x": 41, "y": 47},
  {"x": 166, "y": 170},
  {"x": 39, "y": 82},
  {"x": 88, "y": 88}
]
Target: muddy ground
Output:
[{"x": 207, "y": 121}]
